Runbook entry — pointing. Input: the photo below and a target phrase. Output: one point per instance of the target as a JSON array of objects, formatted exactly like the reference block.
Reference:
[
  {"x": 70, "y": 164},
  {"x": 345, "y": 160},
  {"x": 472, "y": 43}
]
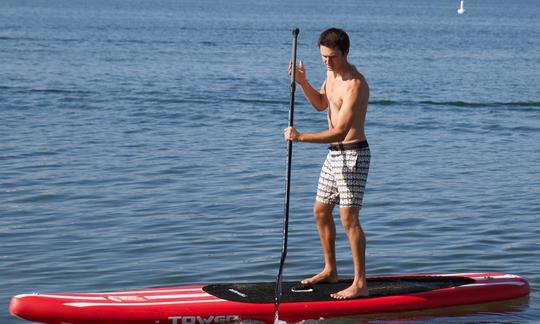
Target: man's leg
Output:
[
  {"x": 327, "y": 234},
  {"x": 357, "y": 241}
]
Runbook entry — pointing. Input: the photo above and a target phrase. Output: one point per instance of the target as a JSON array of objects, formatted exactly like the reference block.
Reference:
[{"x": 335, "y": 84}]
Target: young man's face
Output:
[{"x": 333, "y": 58}]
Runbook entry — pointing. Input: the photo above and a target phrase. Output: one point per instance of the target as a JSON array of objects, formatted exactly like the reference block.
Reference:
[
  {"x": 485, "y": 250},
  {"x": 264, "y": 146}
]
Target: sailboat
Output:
[{"x": 461, "y": 9}]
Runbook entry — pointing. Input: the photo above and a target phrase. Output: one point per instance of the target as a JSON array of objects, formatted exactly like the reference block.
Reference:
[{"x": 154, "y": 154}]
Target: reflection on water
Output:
[{"x": 486, "y": 312}]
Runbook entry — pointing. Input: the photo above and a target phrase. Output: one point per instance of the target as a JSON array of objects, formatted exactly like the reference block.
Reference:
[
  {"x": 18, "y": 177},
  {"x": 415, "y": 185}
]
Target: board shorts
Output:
[{"x": 344, "y": 174}]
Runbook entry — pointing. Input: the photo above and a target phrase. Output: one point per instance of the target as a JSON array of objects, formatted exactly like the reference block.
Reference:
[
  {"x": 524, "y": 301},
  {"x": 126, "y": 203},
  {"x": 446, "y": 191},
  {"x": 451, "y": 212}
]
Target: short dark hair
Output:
[{"x": 335, "y": 38}]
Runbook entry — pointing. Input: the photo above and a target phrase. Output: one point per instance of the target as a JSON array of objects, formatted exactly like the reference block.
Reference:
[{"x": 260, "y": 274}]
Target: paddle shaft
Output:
[{"x": 277, "y": 301}]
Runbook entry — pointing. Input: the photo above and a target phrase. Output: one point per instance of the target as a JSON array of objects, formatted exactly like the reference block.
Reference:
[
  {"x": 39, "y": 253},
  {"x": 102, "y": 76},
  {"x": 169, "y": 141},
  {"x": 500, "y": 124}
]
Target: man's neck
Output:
[{"x": 339, "y": 73}]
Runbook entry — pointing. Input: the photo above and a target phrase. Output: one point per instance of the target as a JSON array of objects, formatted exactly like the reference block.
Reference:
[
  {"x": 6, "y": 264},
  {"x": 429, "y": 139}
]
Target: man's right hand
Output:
[{"x": 300, "y": 75}]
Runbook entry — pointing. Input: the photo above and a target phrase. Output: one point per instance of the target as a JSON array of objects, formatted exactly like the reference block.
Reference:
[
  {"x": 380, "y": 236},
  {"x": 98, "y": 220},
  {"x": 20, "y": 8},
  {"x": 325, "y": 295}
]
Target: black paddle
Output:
[{"x": 277, "y": 300}]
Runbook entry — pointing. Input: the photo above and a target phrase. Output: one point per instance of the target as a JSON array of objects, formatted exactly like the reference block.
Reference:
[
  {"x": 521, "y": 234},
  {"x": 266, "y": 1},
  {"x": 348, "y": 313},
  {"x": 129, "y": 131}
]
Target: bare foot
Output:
[
  {"x": 323, "y": 277},
  {"x": 352, "y": 292}
]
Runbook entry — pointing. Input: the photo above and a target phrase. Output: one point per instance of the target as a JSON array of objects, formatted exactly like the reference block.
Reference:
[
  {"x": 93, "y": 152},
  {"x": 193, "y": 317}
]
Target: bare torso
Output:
[{"x": 336, "y": 88}]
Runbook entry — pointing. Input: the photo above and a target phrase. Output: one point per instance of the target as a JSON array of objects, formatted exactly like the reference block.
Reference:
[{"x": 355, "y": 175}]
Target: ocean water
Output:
[{"x": 141, "y": 143}]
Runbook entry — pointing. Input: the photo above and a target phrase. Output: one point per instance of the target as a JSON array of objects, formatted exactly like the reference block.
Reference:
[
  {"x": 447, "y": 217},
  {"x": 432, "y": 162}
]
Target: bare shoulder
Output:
[
  {"x": 356, "y": 87},
  {"x": 356, "y": 81}
]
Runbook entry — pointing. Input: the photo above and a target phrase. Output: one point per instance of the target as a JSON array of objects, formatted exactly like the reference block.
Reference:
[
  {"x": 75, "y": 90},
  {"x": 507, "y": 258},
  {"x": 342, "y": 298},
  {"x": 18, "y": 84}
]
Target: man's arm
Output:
[
  {"x": 316, "y": 98},
  {"x": 347, "y": 114}
]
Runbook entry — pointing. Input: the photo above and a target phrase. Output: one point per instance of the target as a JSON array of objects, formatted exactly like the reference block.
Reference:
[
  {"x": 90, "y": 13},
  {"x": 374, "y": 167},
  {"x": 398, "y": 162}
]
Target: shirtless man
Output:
[{"x": 344, "y": 173}]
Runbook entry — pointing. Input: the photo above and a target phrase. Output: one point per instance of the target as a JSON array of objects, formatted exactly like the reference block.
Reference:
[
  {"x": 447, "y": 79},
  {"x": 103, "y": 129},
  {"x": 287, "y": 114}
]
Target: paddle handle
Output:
[
  {"x": 277, "y": 300},
  {"x": 295, "y": 32}
]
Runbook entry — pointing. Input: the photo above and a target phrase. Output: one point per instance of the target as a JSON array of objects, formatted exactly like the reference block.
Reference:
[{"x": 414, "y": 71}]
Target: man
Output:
[{"x": 345, "y": 93}]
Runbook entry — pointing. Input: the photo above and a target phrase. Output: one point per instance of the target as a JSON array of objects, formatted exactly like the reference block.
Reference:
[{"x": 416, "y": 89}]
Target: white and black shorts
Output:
[{"x": 344, "y": 175}]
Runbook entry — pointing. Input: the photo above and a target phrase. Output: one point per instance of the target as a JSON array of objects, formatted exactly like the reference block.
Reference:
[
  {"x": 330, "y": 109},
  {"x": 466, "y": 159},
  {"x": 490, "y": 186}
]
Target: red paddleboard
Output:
[{"x": 218, "y": 303}]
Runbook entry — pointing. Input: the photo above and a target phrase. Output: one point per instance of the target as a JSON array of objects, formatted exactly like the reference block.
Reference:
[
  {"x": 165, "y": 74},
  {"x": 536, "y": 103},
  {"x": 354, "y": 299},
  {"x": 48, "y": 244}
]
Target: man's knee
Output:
[
  {"x": 322, "y": 212},
  {"x": 349, "y": 219}
]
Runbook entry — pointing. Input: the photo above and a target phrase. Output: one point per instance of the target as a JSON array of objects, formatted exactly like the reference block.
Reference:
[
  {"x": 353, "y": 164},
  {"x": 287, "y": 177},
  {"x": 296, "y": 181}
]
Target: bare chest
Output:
[{"x": 333, "y": 94}]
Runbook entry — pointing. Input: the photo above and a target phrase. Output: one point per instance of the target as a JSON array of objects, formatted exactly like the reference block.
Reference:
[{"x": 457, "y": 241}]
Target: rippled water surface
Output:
[{"x": 141, "y": 143}]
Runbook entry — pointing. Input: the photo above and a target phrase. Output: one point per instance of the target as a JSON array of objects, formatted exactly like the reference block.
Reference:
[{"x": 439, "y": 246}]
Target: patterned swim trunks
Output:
[{"x": 344, "y": 175}]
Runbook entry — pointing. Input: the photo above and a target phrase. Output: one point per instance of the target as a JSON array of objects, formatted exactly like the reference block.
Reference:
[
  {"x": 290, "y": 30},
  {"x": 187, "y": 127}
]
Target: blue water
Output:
[{"x": 141, "y": 143}]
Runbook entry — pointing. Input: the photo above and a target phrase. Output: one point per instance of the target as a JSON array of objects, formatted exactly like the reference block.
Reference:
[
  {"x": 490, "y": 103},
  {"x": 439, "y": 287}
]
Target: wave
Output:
[
  {"x": 18, "y": 89},
  {"x": 285, "y": 100},
  {"x": 462, "y": 104},
  {"x": 384, "y": 102}
]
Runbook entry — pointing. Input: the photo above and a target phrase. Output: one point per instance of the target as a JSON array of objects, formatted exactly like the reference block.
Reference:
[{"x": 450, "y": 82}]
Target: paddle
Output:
[{"x": 277, "y": 300}]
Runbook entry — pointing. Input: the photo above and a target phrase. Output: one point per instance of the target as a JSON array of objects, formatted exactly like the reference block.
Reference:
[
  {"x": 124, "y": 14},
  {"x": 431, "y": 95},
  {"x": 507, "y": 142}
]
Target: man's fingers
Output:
[
  {"x": 290, "y": 134},
  {"x": 287, "y": 133}
]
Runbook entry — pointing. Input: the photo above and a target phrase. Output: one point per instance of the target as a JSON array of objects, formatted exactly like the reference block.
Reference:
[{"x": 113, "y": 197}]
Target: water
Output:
[{"x": 141, "y": 143}]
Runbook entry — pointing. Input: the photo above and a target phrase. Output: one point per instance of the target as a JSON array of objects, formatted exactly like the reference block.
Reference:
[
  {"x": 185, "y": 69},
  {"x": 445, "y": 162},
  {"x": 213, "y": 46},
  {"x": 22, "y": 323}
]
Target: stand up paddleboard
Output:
[{"x": 217, "y": 303}]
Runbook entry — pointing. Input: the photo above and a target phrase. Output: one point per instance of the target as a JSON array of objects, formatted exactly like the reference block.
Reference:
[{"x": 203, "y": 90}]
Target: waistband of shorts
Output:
[{"x": 349, "y": 146}]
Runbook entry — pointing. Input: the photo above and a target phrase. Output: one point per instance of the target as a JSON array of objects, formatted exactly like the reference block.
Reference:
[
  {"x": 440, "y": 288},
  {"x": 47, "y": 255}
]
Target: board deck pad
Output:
[{"x": 263, "y": 293}]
